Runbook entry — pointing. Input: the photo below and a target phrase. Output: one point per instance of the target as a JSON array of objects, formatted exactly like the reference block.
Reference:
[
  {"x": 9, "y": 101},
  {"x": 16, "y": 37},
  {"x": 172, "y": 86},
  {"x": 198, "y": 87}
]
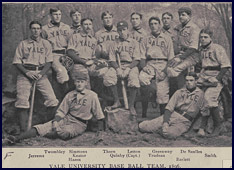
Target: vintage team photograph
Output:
[{"x": 117, "y": 74}]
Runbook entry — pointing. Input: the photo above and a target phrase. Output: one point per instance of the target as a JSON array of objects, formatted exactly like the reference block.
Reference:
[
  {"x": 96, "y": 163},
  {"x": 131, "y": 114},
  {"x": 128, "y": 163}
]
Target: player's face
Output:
[
  {"x": 123, "y": 33},
  {"x": 108, "y": 20},
  {"x": 76, "y": 17},
  {"x": 80, "y": 85},
  {"x": 87, "y": 26},
  {"x": 190, "y": 82},
  {"x": 56, "y": 16},
  {"x": 154, "y": 26},
  {"x": 135, "y": 20},
  {"x": 205, "y": 39},
  {"x": 166, "y": 20},
  {"x": 184, "y": 17},
  {"x": 35, "y": 30}
]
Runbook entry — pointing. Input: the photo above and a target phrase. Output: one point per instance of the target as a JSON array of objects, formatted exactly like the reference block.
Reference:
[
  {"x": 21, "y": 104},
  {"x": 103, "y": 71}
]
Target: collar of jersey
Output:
[
  {"x": 128, "y": 40},
  {"x": 189, "y": 24},
  {"x": 30, "y": 40},
  {"x": 83, "y": 34},
  {"x": 50, "y": 25},
  {"x": 141, "y": 30},
  {"x": 159, "y": 36},
  {"x": 114, "y": 29},
  {"x": 190, "y": 93},
  {"x": 82, "y": 92},
  {"x": 77, "y": 27}
]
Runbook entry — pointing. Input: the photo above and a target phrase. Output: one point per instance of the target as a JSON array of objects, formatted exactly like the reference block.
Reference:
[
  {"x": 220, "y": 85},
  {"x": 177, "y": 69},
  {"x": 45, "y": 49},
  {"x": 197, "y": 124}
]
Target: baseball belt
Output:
[
  {"x": 186, "y": 115},
  {"x": 79, "y": 119},
  {"x": 213, "y": 68},
  {"x": 63, "y": 51},
  {"x": 32, "y": 67}
]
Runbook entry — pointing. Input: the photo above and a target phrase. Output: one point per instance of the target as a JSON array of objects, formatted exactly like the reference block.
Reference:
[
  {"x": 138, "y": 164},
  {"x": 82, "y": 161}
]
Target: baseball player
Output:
[
  {"x": 30, "y": 54},
  {"x": 81, "y": 48},
  {"x": 127, "y": 49},
  {"x": 187, "y": 37},
  {"x": 58, "y": 34},
  {"x": 180, "y": 112},
  {"x": 215, "y": 63},
  {"x": 158, "y": 49},
  {"x": 105, "y": 39},
  {"x": 76, "y": 18},
  {"x": 167, "y": 19},
  {"x": 72, "y": 116}
]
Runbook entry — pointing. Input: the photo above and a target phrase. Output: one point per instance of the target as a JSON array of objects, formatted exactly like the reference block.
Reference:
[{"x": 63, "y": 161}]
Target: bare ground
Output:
[{"x": 110, "y": 139}]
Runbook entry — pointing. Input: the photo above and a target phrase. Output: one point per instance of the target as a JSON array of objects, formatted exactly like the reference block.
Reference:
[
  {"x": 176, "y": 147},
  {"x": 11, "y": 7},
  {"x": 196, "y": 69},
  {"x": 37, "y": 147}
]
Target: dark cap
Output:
[
  {"x": 77, "y": 75},
  {"x": 185, "y": 9},
  {"x": 121, "y": 25}
]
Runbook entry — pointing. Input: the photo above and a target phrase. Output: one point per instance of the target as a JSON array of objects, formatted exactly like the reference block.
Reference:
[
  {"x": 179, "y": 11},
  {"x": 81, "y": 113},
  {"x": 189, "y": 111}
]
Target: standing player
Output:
[
  {"x": 127, "y": 49},
  {"x": 158, "y": 49},
  {"x": 182, "y": 109},
  {"x": 168, "y": 29},
  {"x": 76, "y": 18},
  {"x": 31, "y": 53},
  {"x": 58, "y": 33},
  {"x": 105, "y": 39}
]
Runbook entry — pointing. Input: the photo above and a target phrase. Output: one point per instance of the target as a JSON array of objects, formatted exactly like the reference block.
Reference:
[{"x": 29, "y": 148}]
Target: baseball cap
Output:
[
  {"x": 122, "y": 24},
  {"x": 77, "y": 75},
  {"x": 185, "y": 9}
]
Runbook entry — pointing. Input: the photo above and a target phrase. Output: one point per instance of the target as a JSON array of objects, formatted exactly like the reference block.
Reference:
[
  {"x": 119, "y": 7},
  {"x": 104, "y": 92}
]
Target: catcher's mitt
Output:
[{"x": 67, "y": 62}]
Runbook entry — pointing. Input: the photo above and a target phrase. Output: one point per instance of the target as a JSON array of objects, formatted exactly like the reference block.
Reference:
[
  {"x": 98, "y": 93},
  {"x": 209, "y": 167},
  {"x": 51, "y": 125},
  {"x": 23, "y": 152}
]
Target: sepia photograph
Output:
[{"x": 117, "y": 79}]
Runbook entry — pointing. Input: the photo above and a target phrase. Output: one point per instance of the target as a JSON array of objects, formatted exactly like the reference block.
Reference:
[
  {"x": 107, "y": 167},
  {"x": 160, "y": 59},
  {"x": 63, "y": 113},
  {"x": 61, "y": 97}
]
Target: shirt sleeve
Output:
[
  {"x": 18, "y": 54},
  {"x": 96, "y": 108},
  {"x": 136, "y": 52},
  {"x": 143, "y": 48},
  {"x": 172, "y": 102},
  {"x": 112, "y": 56},
  {"x": 194, "y": 37},
  {"x": 222, "y": 57},
  {"x": 94, "y": 49},
  {"x": 72, "y": 43},
  {"x": 171, "y": 54},
  {"x": 48, "y": 53},
  {"x": 64, "y": 106}
]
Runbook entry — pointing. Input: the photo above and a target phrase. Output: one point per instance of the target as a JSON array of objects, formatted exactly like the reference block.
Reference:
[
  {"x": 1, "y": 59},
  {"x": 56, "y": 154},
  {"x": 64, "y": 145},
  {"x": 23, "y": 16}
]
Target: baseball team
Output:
[{"x": 76, "y": 54}]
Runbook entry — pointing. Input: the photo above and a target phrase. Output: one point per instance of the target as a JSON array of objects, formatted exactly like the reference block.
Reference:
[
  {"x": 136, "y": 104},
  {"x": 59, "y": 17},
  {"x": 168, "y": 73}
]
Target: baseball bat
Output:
[
  {"x": 31, "y": 105},
  {"x": 125, "y": 98}
]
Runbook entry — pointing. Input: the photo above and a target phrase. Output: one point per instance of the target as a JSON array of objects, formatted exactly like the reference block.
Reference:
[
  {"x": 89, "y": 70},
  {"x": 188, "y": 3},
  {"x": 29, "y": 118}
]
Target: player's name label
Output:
[
  {"x": 130, "y": 153},
  {"x": 76, "y": 155},
  {"x": 189, "y": 151},
  {"x": 159, "y": 153}
]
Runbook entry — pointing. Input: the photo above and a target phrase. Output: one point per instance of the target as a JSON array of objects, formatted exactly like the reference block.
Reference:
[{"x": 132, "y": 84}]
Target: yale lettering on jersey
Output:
[
  {"x": 87, "y": 43},
  {"x": 59, "y": 32},
  {"x": 192, "y": 97},
  {"x": 35, "y": 49},
  {"x": 185, "y": 33},
  {"x": 137, "y": 38},
  {"x": 107, "y": 37},
  {"x": 128, "y": 49},
  {"x": 157, "y": 42}
]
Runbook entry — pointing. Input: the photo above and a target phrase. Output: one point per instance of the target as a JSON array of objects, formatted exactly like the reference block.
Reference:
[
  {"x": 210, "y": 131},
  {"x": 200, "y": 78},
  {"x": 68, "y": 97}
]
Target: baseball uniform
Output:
[
  {"x": 139, "y": 35},
  {"x": 75, "y": 29},
  {"x": 213, "y": 59},
  {"x": 157, "y": 51},
  {"x": 84, "y": 45},
  {"x": 128, "y": 50},
  {"x": 184, "y": 107},
  {"x": 75, "y": 110},
  {"x": 106, "y": 39},
  {"x": 58, "y": 36},
  {"x": 31, "y": 53}
]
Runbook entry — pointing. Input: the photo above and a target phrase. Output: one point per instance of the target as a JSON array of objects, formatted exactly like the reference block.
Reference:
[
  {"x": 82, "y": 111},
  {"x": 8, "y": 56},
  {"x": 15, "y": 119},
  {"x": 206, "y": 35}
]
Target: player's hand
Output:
[
  {"x": 119, "y": 72},
  {"x": 39, "y": 75},
  {"x": 32, "y": 75},
  {"x": 201, "y": 133},
  {"x": 165, "y": 126},
  {"x": 89, "y": 63},
  {"x": 173, "y": 62},
  {"x": 147, "y": 70},
  {"x": 126, "y": 72}
]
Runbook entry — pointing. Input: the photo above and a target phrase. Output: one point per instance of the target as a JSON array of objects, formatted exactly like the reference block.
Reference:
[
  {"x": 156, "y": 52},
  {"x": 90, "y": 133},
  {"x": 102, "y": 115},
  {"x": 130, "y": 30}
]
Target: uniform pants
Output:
[
  {"x": 61, "y": 71},
  {"x": 23, "y": 89},
  {"x": 178, "y": 125},
  {"x": 66, "y": 128},
  {"x": 155, "y": 68}
]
